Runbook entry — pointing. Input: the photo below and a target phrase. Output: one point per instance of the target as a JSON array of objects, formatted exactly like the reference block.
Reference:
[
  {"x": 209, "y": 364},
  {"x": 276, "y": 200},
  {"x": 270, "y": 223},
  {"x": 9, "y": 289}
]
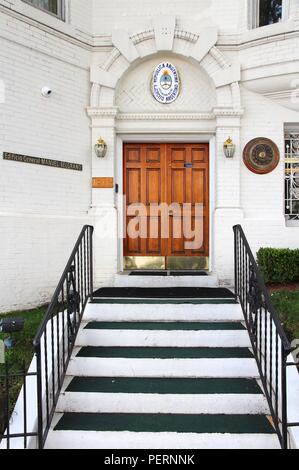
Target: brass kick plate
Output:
[
  {"x": 189, "y": 263},
  {"x": 144, "y": 263},
  {"x": 160, "y": 263}
]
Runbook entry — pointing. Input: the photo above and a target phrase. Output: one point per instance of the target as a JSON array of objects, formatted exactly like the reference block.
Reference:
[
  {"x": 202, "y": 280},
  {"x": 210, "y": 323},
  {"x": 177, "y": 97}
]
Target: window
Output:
[
  {"x": 292, "y": 176},
  {"x": 54, "y": 7},
  {"x": 270, "y": 12},
  {"x": 266, "y": 12}
]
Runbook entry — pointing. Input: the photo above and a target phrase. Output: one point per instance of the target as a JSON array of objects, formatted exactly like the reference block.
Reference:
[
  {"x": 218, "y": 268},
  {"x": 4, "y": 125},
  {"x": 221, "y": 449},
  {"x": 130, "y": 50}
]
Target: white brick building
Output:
[{"x": 239, "y": 79}]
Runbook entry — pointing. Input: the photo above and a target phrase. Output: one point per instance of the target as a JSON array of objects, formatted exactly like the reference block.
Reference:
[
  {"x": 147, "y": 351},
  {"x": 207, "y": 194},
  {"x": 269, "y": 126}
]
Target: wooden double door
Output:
[{"x": 174, "y": 176}]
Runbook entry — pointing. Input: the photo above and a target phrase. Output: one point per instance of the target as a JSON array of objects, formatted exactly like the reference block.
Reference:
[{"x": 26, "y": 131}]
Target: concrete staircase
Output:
[{"x": 162, "y": 375}]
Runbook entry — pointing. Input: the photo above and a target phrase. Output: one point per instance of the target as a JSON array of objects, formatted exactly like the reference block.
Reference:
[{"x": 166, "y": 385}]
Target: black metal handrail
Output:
[
  {"x": 10, "y": 380},
  {"x": 270, "y": 344},
  {"x": 55, "y": 339}
]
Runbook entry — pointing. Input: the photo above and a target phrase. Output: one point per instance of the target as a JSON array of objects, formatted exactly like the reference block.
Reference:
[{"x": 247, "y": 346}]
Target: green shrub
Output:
[
  {"x": 279, "y": 265},
  {"x": 287, "y": 306}
]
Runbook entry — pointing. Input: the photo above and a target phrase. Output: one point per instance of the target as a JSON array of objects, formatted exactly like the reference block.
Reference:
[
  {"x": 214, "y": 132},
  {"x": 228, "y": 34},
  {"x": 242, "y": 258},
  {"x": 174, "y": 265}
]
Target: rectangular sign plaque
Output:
[
  {"x": 42, "y": 161},
  {"x": 102, "y": 183}
]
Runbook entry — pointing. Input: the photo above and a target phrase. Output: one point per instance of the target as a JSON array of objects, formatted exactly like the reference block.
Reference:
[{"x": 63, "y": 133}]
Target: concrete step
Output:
[
  {"x": 141, "y": 385},
  {"x": 70, "y": 402},
  {"x": 146, "y": 338},
  {"x": 131, "y": 440},
  {"x": 172, "y": 368},
  {"x": 124, "y": 280},
  {"x": 108, "y": 312}
]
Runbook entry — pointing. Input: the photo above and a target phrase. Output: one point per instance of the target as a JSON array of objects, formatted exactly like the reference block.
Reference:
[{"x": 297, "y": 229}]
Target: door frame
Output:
[{"x": 123, "y": 138}]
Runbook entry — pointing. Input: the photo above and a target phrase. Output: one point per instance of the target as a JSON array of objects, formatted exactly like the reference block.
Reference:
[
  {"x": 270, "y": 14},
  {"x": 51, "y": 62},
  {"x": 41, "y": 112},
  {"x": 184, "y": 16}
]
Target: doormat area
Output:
[
  {"x": 164, "y": 293},
  {"x": 168, "y": 273}
]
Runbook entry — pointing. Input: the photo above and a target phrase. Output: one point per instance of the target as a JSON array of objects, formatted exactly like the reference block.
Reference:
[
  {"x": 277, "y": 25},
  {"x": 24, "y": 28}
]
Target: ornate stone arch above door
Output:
[{"x": 165, "y": 36}]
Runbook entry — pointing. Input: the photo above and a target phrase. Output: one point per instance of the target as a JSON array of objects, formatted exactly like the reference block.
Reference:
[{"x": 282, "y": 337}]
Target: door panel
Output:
[{"x": 176, "y": 175}]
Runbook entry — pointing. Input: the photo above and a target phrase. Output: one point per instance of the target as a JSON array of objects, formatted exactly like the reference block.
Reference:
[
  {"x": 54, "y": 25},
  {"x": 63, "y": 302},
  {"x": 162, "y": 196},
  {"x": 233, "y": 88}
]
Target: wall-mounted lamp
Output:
[
  {"x": 229, "y": 148},
  {"x": 100, "y": 148}
]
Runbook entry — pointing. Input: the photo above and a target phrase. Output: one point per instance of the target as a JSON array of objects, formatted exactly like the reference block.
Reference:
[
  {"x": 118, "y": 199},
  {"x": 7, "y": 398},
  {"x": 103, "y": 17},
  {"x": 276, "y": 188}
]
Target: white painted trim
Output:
[{"x": 124, "y": 137}]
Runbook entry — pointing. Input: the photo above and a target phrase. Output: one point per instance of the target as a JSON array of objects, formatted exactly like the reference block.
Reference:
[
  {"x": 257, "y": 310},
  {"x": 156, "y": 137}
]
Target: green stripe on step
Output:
[
  {"x": 164, "y": 386},
  {"x": 220, "y": 424},
  {"x": 172, "y": 326},
  {"x": 165, "y": 353},
  {"x": 163, "y": 301}
]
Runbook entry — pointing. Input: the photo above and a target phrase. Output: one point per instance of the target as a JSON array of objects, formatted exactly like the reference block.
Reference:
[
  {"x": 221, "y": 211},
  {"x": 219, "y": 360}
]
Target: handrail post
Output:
[
  {"x": 284, "y": 404},
  {"x": 236, "y": 263},
  {"x": 39, "y": 398},
  {"x": 91, "y": 262}
]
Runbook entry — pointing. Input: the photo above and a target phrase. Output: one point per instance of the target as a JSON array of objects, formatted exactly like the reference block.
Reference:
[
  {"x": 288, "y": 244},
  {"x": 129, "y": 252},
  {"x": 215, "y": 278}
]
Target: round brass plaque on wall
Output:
[{"x": 261, "y": 156}]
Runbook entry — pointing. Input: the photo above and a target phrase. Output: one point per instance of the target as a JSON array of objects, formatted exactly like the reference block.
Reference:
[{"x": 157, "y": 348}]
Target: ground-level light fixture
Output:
[
  {"x": 229, "y": 148},
  {"x": 11, "y": 325},
  {"x": 101, "y": 148}
]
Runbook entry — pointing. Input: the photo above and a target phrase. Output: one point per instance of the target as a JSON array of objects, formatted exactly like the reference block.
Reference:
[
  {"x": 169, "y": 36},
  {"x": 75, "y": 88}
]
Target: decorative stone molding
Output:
[
  {"x": 219, "y": 57},
  {"x": 164, "y": 27},
  {"x": 122, "y": 41},
  {"x": 228, "y": 112},
  {"x": 166, "y": 117},
  {"x": 178, "y": 34},
  {"x": 207, "y": 39},
  {"x": 186, "y": 36},
  {"x": 222, "y": 72},
  {"x": 280, "y": 95},
  {"x": 144, "y": 36},
  {"x": 102, "y": 112},
  {"x": 115, "y": 54},
  {"x": 103, "y": 77},
  {"x": 227, "y": 76},
  {"x": 286, "y": 98}
]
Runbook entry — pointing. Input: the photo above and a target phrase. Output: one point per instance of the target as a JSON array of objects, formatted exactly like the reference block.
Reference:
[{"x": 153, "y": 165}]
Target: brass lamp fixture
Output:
[
  {"x": 100, "y": 148},
  {"x": 229, "y": 148}
]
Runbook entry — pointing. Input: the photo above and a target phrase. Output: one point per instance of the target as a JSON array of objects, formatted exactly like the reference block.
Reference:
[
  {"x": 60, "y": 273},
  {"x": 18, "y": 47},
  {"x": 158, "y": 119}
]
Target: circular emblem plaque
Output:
[
  {"x": 261, "y": 156},
  {"x": 166, "y": 83}
]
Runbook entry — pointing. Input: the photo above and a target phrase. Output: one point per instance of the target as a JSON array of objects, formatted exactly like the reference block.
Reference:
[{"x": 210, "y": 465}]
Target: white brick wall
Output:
[
  {"x": 78, "y": 16},
  {"x": 119, "y": 13},
  {"x": 42, "y": 210},
  {"x": 34, "y": 252}
]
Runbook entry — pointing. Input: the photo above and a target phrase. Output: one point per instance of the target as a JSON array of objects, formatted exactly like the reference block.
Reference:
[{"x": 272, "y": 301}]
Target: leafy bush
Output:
[
  {"x": 279, "y": 265},
  {"x": 287, "y": 306}
]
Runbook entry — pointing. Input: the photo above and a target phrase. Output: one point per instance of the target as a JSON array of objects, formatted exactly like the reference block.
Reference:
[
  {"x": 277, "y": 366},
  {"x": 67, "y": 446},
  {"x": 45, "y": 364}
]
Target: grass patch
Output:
[
  {"x": 287, "y": 306},
  {"x": 22, "y": 352},
  {"x": 23, "y": 349}
]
